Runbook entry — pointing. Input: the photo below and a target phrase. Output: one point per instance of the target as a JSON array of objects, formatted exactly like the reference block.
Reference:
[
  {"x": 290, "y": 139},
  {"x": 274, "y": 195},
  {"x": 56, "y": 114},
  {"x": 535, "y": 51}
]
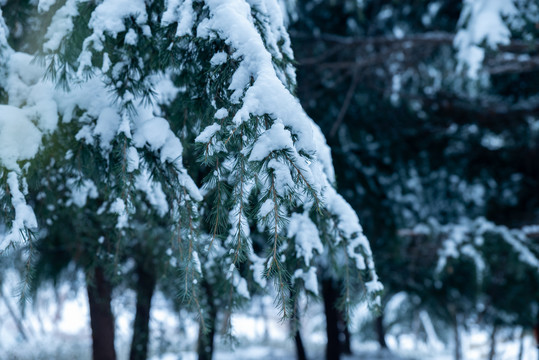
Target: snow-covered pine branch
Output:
[
  {"x": 487, "y": 24},
  {"x": 136, "y": 83},
  {"x": 471, "y": 239},
  {"x": 467, "y": 239}
]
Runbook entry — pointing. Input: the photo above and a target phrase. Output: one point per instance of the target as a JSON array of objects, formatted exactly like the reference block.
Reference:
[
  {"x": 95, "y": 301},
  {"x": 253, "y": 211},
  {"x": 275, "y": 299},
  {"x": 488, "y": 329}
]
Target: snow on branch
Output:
[
  {"x": 482, "y": 21},
  {"x": 260, "y": 140},
  {"x": 468, "y": 238},
  {"x": 267, "y": 95}
]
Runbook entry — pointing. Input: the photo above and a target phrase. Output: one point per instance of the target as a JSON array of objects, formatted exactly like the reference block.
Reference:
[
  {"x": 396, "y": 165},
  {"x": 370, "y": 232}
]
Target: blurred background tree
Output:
[{"x": 425, "y": 135}]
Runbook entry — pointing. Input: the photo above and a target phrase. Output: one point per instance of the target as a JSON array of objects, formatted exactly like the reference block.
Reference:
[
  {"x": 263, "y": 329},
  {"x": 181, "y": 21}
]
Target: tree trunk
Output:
[
  {"x": 381, "y": 331},
  {"x": 206, "y": 338},
  {"x": 346, "y": 345},
  {"x": 458, "y": 354},
  {"x": 145, "y": 288},
  {"x": 492, "y": 352},
  {"x": 101, "y": 318},
  {"x": 300, "y": 349},
  {"x": 521, "y": 344},
  {"x": 329, "y": 293},
  {"x": 295, "y": 328}
]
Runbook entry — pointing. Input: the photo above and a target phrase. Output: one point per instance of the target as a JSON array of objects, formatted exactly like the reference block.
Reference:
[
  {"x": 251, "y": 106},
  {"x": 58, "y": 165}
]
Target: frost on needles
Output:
[{"x": 179, "y": 115}]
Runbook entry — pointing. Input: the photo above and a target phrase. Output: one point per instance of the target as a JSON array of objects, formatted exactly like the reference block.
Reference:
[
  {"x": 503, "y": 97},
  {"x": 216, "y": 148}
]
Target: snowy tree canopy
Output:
[
  {"x": 95, "y": 109},
  {"x": 430, "y": 140}
]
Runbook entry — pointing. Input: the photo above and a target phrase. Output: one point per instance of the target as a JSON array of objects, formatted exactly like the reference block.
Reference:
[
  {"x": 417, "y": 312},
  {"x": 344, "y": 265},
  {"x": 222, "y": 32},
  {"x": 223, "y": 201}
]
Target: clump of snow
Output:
[
  {"x": 133, "y": 159},
  {"x": 61, "y": 25},
  {"x": 164, "y": 88},
  {"x": 257, "y": 266},
  {"x": 131, "y": 37},
  {"x": 24, "y": 215},
  {"x": 241, "y": 286},
  {"x": 19, "y": 137},
  {"x": 196, "y": 261},
  {"x": 481, "y": 21},
  {"x": 309, "y": 279},
  {"x": 154, "y": 192},
  {"x": 106, "y": 127},
  {"x": 118, "y": 207},
  {"x": 221, "y": 114},
  {"x": 307, "y": 239},
  {"x": 80, "y": 192},
  {"x": 108, "y": 17},
  {"x": 266, "y": 208},
  {"x": 156, "y": 133},
  {"x": 273, "y": 139},
  {"x": 206, "y": 135},
  {"x": 180, "y": 12},
  {"x": 219, "y": 58},
  {"x": 283, "y": 180}
]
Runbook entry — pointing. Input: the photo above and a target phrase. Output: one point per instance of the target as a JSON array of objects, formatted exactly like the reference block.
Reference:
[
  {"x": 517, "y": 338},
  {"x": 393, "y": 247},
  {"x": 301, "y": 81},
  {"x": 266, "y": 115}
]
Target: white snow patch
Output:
[
  {"x": 305, "y": 234},
  {"x": 206, "y": 135},
  {"x": 218, "y": 58},
  {"x": 118, "y": 207}
]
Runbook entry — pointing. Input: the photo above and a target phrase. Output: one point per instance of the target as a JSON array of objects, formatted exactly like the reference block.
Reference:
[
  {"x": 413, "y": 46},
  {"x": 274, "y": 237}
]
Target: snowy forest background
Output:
[{"x": 269, "y": 179}]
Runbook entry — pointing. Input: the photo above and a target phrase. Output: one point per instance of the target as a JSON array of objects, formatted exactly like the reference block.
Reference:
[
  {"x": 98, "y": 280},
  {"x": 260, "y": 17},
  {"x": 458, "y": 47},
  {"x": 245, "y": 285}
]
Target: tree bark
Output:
[
  {"x": 344, "y": 335},
  {"x": 346, "y": 343},
  {"x": 521, "y": 344},
  {"x": 381, "y": 331},
  {"x": 101, "y": 318},
  {"x": 329, "y": 294},
  {"x": 458, "y": 354},
  {"x": 145, "y": 288},
  {"x": 492, "y": 352},
  {"x": 300, "y": 349},
  {"x": 295, "y": 328},
  {"x": 205, "y": 346}
]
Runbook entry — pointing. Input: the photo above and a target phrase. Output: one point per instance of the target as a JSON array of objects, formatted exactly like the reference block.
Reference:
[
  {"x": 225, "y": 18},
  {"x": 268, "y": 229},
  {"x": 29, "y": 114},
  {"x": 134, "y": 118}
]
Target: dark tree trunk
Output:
[
  {"x": 346, "y": 345},
  {"x": 300, "y": 349},
  {"x": 295, "y": 328},
  {"x": 330, "y": 295},
  {"x": 381, "y": 331},
  {"x": 458, "y": 352},
  {"x": 101, "y": 318},
  {"x": 521, "y": 345},
  {"x": 206, "y": 338},
  {"x": 492, "y": 352},
  {"x": 145, "y": 288}
]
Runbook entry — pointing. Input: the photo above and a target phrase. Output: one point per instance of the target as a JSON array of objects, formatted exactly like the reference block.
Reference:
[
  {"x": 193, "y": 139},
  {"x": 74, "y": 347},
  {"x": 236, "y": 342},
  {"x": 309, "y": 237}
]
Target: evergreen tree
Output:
[
  {"x": 429, "y": 108},
  {"x": 176, "y": 119}
]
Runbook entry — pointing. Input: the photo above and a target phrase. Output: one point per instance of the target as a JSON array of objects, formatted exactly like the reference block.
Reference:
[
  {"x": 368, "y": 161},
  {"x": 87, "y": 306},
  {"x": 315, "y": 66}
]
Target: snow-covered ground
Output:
[{"x": 56, "y": 326}]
